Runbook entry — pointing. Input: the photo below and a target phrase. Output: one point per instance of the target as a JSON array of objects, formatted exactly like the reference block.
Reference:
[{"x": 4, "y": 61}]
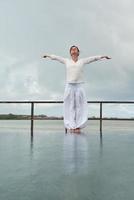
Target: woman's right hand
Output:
[{"x": 45, "y": 56}]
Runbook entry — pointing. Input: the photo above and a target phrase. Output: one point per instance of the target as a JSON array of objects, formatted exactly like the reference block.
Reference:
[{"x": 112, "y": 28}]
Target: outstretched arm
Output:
[
  {"x": 55, "y": 57},
  {"x": 94, "y": 58}
]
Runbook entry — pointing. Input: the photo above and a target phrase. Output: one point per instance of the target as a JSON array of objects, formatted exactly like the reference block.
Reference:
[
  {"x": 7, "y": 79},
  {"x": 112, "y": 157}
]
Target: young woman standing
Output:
[{"x": 75, "y": 108}]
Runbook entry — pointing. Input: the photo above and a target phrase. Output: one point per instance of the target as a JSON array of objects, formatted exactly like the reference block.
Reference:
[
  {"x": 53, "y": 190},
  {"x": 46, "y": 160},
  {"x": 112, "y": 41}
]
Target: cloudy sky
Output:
[{"x": 30, "y": 28}]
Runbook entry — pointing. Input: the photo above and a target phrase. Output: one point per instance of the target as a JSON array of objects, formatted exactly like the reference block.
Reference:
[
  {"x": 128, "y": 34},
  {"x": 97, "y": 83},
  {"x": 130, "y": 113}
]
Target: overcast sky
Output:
[{"x": 30, "y": 28}]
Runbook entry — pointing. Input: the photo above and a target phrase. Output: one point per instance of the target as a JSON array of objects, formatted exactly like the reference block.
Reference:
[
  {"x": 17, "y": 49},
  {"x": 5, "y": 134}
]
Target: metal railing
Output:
[{"x": 60, "y": 102}]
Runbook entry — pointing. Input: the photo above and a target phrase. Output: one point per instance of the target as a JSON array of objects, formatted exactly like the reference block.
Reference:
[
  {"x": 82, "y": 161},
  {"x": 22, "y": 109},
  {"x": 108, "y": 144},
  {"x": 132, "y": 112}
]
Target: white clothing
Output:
[
  {"x": 75, "y": 70},
  {"x": 75, "y": 107}
]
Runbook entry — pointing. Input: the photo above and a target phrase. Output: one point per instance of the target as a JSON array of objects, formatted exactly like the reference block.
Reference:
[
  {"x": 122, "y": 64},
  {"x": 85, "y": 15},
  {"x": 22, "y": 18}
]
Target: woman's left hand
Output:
[{"x": 107, "y": 57}]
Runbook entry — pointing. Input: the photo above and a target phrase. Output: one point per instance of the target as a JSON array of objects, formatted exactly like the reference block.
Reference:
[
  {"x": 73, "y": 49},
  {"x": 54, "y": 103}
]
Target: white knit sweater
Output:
[{"x": 74, "y": 70}]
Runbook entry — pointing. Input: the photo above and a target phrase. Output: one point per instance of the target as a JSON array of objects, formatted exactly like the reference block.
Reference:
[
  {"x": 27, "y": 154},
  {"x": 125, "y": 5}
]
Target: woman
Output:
[{"x": 75, "y": 103}]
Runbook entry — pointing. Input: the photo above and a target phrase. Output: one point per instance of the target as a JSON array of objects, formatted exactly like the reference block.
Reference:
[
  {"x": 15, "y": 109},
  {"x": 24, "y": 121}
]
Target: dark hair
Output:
[{"x": 75, "y": 47}]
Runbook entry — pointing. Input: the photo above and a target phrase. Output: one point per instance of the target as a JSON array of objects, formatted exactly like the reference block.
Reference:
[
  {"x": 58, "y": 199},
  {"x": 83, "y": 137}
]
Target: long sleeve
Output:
[
  {"x": 91, "y": 59},
  {"x": 58, "y": 58}
]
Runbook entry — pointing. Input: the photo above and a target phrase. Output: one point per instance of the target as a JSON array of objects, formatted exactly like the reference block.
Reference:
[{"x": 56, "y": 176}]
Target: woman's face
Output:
[{"x": 74, "y": 51}]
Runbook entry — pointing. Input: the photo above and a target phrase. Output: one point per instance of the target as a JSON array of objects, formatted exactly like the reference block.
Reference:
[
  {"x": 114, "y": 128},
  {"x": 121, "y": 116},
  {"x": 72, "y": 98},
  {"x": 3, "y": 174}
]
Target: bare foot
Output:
[
  {"x": 71, "y": 130},
  {"x": 77, "y": 130}
]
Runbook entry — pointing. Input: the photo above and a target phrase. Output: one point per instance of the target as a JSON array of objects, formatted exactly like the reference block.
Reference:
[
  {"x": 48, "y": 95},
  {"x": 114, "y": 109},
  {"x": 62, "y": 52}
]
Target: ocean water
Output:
[{"x": 59, "y": 166}]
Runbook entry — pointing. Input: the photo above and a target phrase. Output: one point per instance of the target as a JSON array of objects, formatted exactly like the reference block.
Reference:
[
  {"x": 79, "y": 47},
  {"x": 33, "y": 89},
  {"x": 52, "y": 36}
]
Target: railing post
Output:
[
  {"x": 32, "y": 118},
  {"x": 100, "y": 118},
  {"x": 65, "y": 130}
]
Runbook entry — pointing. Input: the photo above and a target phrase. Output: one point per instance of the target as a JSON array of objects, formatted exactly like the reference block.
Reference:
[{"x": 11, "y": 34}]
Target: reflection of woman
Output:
[
  {"x": 75, "y": 152},
  {"x": 75, "y": 102}
]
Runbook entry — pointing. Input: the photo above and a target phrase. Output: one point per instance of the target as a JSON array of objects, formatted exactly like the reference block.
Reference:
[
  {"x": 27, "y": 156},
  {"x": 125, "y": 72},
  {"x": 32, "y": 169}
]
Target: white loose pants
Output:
[{"x": 75, "y": 107}]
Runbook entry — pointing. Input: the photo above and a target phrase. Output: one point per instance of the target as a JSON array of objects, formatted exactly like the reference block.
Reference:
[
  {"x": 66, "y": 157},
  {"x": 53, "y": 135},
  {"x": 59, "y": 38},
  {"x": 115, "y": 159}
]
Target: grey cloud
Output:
[{"x": 31, "y": 28}]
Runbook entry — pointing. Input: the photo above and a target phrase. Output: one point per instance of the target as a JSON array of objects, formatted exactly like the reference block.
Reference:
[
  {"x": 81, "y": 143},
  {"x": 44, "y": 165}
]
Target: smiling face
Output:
[{"x": 74, "y": 51}]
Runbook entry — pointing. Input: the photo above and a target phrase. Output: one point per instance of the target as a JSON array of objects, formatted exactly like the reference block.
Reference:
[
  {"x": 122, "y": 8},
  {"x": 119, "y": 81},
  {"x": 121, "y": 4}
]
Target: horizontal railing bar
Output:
[
  {"x": 110, "y": 102},
  {"x": 116, "y": 119},
  {"x": 31, "y": 101},
  {"x": 52, "y": 101},
  {"x": 48, "y": 101}
]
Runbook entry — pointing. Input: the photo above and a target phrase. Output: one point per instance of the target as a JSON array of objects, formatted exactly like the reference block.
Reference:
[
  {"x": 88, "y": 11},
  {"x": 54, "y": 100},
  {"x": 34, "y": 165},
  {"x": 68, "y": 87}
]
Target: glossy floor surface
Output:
[{"x": 57, "y": 166}]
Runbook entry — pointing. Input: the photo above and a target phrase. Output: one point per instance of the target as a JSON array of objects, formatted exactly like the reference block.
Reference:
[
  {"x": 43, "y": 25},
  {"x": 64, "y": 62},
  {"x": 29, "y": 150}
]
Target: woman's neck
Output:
[{"x": 74, "y": 58}]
